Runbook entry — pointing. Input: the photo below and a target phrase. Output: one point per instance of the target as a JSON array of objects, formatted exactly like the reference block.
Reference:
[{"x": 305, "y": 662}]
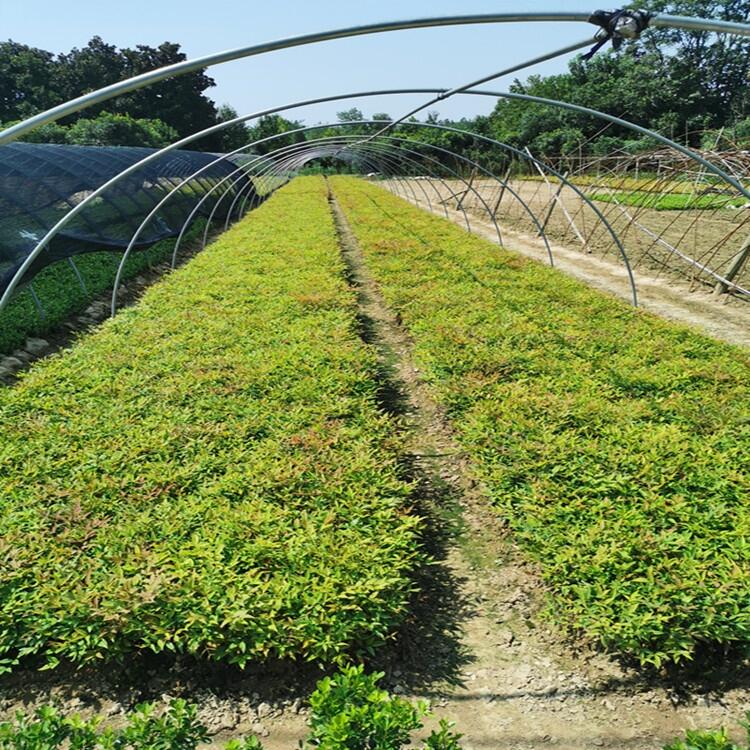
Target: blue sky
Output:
[{"x": 421, "y": 58}]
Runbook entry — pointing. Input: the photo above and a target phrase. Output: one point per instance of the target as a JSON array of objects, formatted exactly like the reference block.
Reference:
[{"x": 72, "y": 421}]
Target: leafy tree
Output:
[
  {"x": 709, "y": 71},
  {"x": 350, "y": 115},
  {"x": 233, "y": 136},
  {"x": 27, "y": 84},
  {"x": 676, "y": 82},
  {"x": 271, "y": 125},
  {"x": 32, "y": 80},
  {"x": 121, "y": 130},
  {"x": 179, "y": 101}
]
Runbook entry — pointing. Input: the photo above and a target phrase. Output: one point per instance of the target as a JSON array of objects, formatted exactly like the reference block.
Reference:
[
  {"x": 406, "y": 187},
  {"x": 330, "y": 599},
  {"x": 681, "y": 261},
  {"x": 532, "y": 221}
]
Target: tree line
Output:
[
  {"x": 33, "y": 80},
  {"x": 691, "y": 86}
]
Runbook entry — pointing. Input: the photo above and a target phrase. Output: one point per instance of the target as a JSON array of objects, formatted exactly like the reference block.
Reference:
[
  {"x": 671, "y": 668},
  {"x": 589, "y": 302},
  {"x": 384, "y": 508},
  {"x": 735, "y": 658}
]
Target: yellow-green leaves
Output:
[
  {"x": 209, "y": 472},
  {"x": 616, "y": 444}
]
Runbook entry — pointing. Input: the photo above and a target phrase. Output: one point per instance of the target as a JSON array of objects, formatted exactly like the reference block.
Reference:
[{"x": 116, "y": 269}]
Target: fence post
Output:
[
  {"x": 502, "y": 190},
  {"x": 459, "y": 205},
  {"x": 737, "y": 263},
  {"x": 554, "y": 200}
]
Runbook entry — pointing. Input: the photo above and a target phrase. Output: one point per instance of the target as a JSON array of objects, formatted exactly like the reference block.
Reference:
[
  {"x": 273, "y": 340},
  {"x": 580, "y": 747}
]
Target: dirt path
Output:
[
  {"x": 722, "y": 317},
  {"x": 510, "y": 679}
]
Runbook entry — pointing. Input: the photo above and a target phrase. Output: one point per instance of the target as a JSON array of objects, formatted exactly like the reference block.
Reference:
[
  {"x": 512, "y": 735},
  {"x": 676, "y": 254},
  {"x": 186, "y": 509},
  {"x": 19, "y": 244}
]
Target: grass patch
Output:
[
  {"x": 645, "y": 183},
  {"x": 616, "y": 444},
  {"x": 671, "y": 201},
  {"x": 208, "y": 472}
]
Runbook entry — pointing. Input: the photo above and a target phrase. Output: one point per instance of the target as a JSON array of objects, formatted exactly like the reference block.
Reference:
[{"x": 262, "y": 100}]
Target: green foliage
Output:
[
  {"x": 670, "y": 201},
  {"x": 697, "y": 740},
  {"x": 350, "y": 712},
  {"x": 61, "y": 295},
  {"x": 25, "y": 75},
  {"x": 678, "y": 83},
  {"x": 709, "y": 740},
  {"x": 32, "y": 80},
  {"x": 176, "y": 729},
  {"x": 271, "y": 125},
  {"x": 109, "y": 129},
  {"x": 233, "y": 136},
  {"x": 106, "y": 129},
  {"x": 444, "y": 738},
  {"x": 616, "y": 444},
  {"x": 209, "y": 471}
]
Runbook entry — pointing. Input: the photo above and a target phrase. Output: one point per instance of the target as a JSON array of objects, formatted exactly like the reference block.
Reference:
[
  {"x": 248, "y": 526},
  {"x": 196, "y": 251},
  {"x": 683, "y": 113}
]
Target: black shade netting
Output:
[{"x": 40, "y": 183}]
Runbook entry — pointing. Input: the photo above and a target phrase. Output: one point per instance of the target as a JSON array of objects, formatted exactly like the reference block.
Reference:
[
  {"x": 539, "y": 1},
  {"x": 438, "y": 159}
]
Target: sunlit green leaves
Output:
[
  {"x": 209, "y": 472},
  {"x": 616, "y": 444}
]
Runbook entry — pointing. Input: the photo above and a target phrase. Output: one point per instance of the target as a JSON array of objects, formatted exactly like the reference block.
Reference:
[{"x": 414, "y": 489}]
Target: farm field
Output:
[
  {"x": 616, "y": 445},
  {"x": 219, "y": 472},
  {"x": 650, "y": 225},
  {"x": 209, "y": 472}
]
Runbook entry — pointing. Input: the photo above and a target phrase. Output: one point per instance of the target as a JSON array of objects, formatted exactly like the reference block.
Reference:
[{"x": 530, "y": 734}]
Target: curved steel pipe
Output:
[
  {"x": 424, "y": 192},
  {"x": 401, "y": 152},
  {"x": 243, "y": 168},
  {"x": 215, "y": 128},
  {"x": 184, "y": 182},
  {"x": 187, "y": 66},
  {"x": 378, "y": 167}
]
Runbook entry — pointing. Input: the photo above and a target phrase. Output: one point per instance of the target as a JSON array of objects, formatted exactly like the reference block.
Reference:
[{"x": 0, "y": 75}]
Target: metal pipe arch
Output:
[
  {"x": 129, "y": 170},
  {"x": 270, "y": 166},
  {"x": 243, "y": 168},
  {"x": 244, "y": 171},
  {"x": 371, "y": 164},
  {"x": 533, "y": 216},
  {"x": 394, "y": 174},
  {"x": 344, "y": 138},
  {"x": 207, "y": 61}
]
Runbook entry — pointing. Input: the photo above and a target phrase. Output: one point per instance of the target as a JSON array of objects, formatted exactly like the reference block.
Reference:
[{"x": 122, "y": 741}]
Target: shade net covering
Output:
[{"x": 40, "y": 183}]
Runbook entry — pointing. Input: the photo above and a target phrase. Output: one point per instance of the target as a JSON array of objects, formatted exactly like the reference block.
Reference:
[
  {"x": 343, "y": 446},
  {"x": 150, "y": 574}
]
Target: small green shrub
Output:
[
  {"x": 708, "y": 740},
  {"x": 177, "y": 729},
  {"x": 350, "y": 712}
]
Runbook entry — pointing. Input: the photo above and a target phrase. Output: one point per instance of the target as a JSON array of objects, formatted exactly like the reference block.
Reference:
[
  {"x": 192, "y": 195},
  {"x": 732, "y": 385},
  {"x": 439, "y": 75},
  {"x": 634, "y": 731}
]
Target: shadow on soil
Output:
[{"x": 426, "y": 650}]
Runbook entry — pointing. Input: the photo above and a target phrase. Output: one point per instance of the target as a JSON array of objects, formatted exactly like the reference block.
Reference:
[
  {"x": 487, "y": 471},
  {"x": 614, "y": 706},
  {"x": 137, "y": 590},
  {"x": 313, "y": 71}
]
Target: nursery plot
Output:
[
  {"x": 617, "y": 445},
  {"x": 62, "y": 295},
  {"x": 209, "y": 472}
]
